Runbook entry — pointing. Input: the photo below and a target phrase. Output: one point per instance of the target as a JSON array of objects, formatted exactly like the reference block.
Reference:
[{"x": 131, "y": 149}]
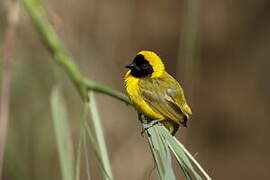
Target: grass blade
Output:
[
  {"x": 151, "y": 141},
  {"x": 182, "y": 154},
  {"x": 62, "y": 133},
  {"x": 161, "y": 155},
  {"x": 193, "y": 159},
  {"x": 100, "y": 137},
  {"x": 78, "y": 160},
  {"x": 95, "y": 149},
  {"x": 81, "y": 141},
  {"x": 86, "y": 155},
  {"x": 86, "y": 132},
  {"x": 160, "y": 141}
]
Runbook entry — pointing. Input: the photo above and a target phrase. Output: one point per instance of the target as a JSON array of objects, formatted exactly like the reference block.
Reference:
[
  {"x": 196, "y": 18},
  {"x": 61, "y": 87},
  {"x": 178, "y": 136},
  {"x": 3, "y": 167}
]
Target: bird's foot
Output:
[
  {"x": 141, "y": 117},
  {"x": 147, "y": 125}
]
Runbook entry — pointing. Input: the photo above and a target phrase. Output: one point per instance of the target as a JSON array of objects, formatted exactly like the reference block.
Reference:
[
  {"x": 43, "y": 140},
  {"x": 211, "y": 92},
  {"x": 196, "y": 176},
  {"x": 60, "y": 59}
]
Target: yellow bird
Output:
[{"x": 155, "y": 94}]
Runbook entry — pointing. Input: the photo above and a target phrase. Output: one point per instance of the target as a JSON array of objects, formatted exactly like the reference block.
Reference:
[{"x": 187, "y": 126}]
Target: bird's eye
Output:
[{"x": 144, "y": 66}]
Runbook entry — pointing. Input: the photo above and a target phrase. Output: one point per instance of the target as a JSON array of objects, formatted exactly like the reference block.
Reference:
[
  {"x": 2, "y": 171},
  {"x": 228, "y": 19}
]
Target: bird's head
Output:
[{"x": 146, "y": 64}]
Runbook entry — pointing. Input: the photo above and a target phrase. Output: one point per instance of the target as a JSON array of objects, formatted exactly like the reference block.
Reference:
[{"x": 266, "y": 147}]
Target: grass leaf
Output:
[
  {"x": 161, "y": 155},
  {"x": 62, "y": 133},
  {"x": 160, "y": 141},
  {"x": 86, "y": 155},
  {"x": 182, "y": 155},
  {"x": 100, "y": 139},
  {"x": 78, "y": 158}
]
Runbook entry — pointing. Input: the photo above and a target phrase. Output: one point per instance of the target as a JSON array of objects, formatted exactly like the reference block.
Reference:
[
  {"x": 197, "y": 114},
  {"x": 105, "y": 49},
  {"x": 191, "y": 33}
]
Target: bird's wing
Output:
[{"x": 165, "y": 96}]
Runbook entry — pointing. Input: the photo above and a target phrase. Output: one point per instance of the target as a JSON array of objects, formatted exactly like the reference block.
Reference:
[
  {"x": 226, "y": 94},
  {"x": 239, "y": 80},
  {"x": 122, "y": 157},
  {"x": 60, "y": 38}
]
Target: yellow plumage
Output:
[{"x": 155, "y": 93}]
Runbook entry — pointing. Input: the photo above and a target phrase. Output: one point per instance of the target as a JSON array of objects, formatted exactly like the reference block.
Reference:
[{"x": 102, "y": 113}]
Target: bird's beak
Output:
[{"x": 130, "y": 66}]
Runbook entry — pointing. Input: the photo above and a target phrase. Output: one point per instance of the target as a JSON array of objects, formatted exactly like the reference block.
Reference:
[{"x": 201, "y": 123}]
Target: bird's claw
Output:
[{"x": 147, "y": 125}]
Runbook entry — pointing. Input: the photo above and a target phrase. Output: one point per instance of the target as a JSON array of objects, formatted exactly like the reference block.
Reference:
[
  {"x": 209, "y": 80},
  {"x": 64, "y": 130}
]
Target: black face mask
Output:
[{"x": 140, "y": 67}]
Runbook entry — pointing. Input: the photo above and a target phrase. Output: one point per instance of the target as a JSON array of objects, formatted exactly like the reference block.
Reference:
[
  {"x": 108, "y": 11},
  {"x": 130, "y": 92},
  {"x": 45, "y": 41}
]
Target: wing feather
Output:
[{"x": 165, "y": 96}]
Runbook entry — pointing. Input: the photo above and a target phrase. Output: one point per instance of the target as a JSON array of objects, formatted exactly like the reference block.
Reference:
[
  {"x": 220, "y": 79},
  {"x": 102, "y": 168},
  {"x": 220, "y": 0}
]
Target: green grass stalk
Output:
[
  {"x": 99, "y": 136},
  {"x": 63, "y": 134}
]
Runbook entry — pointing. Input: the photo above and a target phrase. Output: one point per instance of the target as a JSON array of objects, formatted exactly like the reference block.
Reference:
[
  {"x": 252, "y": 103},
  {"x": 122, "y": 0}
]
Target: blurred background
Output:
[{"x": 218, "y": 50}]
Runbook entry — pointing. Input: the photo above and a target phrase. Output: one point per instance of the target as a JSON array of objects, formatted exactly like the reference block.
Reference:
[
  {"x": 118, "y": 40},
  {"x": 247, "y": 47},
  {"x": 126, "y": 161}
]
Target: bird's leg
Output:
[
  {"x": 143, "y": 121},
  {"x": 150, "y": 124},
  {"x": 141, "y": 117}
]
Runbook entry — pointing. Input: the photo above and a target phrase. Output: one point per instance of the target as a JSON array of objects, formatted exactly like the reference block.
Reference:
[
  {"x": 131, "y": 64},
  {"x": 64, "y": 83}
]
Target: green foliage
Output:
[
  {"x": 100, "y": 137},
  {"x": 161, "y": 154},
  {"x": 86, "y": 134},
  {"x": 161, "y": 141},
  {"x": 78, "y": 158}
]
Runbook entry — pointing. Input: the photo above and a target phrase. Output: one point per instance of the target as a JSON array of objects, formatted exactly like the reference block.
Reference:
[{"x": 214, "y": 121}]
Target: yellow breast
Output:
[{"x": 133, "y": 90}]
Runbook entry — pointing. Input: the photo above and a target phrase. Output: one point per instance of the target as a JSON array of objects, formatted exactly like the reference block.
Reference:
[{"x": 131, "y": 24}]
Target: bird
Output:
[{"x": 155, "y": 94}]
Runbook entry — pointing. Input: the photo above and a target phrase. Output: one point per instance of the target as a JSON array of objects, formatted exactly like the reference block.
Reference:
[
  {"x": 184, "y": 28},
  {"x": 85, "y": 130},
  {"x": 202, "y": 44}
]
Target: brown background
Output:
[{"x": 218, "y": 50}]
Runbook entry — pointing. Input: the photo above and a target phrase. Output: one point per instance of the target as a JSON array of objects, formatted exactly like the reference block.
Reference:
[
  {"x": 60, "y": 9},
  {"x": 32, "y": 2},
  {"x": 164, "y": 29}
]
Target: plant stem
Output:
[
  {"x": 60, "y": 55},
  {"x": 94, "y": 86}
]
